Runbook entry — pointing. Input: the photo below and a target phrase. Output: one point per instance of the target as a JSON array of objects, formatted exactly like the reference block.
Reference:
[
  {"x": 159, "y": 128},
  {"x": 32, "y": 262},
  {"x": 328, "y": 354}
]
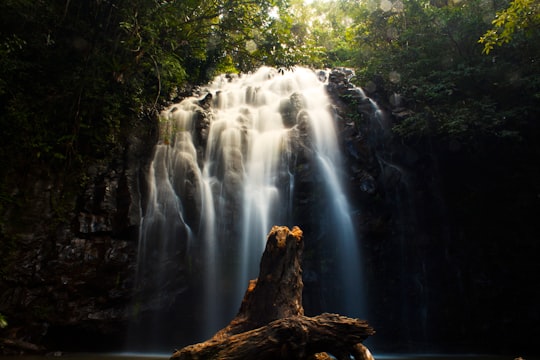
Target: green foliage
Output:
[
  {"x": 3, "y": 321},
  {"x": 519, "y": 16},
  {"x": 472, "y": 121},
  {"x": 428, "y": 56},
  {"x": 74, "y": 75},
  {"x": 322, "y": 33}
]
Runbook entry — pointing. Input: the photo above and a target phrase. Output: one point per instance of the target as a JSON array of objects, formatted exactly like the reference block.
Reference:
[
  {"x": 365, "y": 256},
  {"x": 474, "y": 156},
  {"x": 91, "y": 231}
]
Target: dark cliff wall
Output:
[
  {"x": 68, "y": 251},
  {"x": 448, "y": 233}
]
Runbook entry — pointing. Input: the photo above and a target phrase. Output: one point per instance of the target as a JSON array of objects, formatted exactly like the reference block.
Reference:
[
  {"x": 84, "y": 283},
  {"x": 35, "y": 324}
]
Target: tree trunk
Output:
[{"x": 270, "y": 323}]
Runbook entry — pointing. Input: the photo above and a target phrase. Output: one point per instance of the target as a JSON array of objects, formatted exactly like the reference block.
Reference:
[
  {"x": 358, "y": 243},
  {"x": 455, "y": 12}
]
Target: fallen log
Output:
[
  {"x": 295, "y": 337},
  {"x": 271, "y": 323}
]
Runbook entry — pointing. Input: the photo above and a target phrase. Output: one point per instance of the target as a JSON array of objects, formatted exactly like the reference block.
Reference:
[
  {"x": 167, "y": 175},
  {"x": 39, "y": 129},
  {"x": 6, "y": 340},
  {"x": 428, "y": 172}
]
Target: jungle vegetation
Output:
[{"x": 74, "y": 75}]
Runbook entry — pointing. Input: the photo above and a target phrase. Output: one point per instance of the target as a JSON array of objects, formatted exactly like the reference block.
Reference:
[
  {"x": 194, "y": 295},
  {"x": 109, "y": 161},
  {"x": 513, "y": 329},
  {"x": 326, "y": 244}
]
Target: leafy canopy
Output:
[
  {"x": 519, "y": 16},
  {"x": 73, "y": 75}
]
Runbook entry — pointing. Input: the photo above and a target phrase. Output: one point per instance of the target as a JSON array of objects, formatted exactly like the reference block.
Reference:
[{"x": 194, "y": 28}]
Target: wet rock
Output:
[
  {"x": 206, "y": 101},
  {"x": 203, "y": 120},
  {"x": 92, "y": 223},
  {"x": 290, "y": 108}
]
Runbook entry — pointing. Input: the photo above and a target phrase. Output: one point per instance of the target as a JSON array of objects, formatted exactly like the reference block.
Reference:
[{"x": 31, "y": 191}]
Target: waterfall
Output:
[{"x": 245, "y": 155}]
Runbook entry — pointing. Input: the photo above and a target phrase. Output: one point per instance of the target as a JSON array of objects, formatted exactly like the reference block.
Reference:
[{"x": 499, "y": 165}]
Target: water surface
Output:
[{"x": 129, "y": 356}]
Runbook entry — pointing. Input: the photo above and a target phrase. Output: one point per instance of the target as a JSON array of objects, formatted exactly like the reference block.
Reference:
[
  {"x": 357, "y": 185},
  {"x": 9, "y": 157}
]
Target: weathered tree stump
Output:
[{"x": 271, "y": 323}]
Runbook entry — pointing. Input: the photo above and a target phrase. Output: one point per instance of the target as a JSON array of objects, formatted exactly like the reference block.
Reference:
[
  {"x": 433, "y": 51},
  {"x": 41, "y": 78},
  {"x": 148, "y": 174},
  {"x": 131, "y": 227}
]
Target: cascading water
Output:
[{"x": 228, "y": 166}]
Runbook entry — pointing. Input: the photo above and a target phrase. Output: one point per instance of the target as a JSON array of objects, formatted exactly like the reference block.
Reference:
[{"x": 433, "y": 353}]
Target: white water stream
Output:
[{"x": 219, "y": 194}]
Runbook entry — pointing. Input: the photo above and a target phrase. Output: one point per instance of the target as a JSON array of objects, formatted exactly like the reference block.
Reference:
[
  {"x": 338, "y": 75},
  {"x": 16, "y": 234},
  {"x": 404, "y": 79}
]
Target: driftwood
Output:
[{"x": 271, "y": 323}]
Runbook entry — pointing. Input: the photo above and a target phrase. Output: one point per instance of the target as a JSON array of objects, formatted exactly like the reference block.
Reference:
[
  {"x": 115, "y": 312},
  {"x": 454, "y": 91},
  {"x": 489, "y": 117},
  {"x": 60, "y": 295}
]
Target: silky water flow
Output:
[{"x": 224, "y": 172}]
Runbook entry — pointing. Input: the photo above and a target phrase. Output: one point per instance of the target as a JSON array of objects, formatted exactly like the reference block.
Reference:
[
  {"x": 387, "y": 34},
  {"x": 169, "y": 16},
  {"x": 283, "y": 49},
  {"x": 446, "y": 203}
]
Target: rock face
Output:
[
  {"x": 67, "y": 279},
  {"x": 390, "y": 188},
  {"x": 432, "y": 225}
]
